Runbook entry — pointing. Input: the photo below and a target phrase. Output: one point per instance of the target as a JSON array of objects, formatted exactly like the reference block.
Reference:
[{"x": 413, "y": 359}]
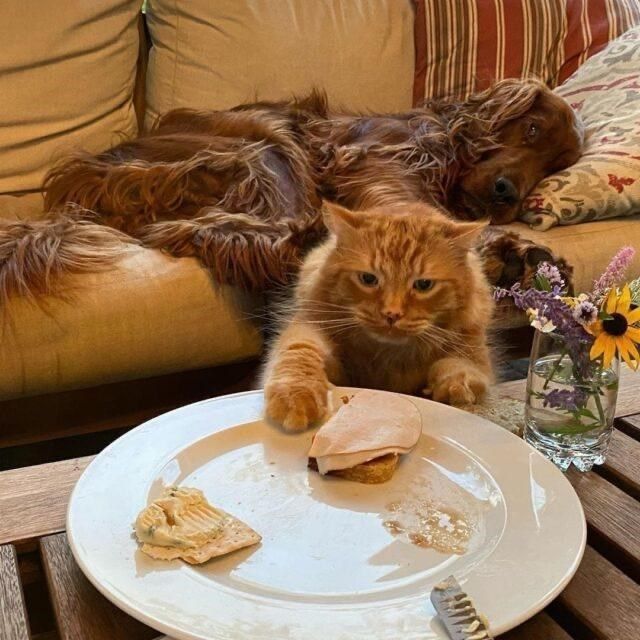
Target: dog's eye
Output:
[
  {"x": 532, "y": 131},
  {"x": 423, "y": 284},
  {"x": 368, "y": 279}
]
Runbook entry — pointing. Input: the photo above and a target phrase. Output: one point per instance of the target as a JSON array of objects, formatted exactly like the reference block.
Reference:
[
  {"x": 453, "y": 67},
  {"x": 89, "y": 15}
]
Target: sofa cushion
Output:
[
  {"x": 605, "y": 182},
  {"x": 67, "y": 72},
  {"x": 26, "y": 207},
  {"x": 151, "y": 315},
  {"x": 587, "y": 247},
  {"x": 464, "y": 46},
  {"x": 216, "y": 55}
]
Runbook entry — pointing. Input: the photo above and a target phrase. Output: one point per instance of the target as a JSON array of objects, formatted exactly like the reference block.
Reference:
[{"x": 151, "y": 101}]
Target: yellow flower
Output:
[
  {"x": 617, "y": 335},
  {"x": 572, "y": 302}
]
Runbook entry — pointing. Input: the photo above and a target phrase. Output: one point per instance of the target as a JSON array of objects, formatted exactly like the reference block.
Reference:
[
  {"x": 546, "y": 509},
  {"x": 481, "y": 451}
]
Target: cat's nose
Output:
[{"x": 392, "y": 316}]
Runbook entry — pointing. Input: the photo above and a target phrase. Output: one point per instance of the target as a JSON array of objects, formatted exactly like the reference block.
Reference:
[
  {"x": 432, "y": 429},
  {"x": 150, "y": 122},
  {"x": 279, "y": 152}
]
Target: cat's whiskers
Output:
[
  {"x": 335, "y": 332},
  {"x": 446, "y": 344},
  {"x": 322, "y": 303},
  {"x": 332, "y": 323},
  {"x": 453, "y": 340}
]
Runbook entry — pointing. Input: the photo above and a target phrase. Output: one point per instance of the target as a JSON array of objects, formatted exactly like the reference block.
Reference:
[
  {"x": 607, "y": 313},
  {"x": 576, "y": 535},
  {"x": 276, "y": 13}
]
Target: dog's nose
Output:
[{"x": 505, "y": 191}]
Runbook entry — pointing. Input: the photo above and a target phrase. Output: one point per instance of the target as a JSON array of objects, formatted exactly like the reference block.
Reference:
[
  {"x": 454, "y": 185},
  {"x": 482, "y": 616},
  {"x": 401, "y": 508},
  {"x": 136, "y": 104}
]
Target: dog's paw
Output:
[
  {"x": 296, "y": 404},
  {"x": 509, "y": 259},
  {"x": 460, "y": 388}
]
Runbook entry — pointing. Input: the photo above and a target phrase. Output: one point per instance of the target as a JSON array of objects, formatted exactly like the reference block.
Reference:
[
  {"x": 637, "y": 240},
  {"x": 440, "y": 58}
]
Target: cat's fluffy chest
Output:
[{"x": 374, "y": 364}]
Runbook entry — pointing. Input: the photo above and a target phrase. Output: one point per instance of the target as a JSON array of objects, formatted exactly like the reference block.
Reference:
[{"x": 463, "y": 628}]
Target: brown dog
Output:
[
  {"x": 479, "y": 158},
  {"x": 241, "y": 189}
]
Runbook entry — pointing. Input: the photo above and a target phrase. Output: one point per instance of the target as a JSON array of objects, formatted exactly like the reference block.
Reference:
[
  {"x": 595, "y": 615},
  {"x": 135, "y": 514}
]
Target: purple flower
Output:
[
  {"x": 554, "y": 310},
  {"x": 551, "y": 274},
  {"x": 567, "y": 399},
  {"x": 500, "y": 294},
  {"x": 547, "y": 304},
  {"x": 585, "y": 312},
  {"x": 612, "y": 274}
]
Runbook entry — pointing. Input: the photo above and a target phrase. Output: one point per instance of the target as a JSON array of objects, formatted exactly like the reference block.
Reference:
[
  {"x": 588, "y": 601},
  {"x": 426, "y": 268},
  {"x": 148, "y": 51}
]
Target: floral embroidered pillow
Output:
[{"x": 605, "y": 182}]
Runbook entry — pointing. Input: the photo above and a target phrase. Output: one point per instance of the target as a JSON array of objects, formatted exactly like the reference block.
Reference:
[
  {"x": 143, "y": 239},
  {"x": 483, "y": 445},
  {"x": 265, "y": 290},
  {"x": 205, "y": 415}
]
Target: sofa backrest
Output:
[
  {"x": 67, "y": 74},
  {"x": 73, "y": 73},
  {"x": 219, "y": 54}
]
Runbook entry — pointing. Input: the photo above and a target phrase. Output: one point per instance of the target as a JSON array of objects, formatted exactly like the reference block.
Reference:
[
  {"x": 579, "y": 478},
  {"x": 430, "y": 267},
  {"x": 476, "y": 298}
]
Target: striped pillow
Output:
[{"x": 464, "y": 46}]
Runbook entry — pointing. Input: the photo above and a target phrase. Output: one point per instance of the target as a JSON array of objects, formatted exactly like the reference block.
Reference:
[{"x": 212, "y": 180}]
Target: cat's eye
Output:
[
  {"x": 532, "y": 131},
  {"x": 368, "y": 279},
  {"x": 422, "y": 284}
]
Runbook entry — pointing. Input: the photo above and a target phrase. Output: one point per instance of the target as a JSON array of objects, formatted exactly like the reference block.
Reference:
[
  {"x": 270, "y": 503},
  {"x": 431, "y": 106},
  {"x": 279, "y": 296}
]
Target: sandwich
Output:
[{"x": 365, "y": 438}]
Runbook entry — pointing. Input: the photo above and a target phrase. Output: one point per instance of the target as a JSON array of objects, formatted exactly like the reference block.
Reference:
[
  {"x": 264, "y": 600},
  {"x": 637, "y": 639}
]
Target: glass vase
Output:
[{"x": 571, "y": 402}]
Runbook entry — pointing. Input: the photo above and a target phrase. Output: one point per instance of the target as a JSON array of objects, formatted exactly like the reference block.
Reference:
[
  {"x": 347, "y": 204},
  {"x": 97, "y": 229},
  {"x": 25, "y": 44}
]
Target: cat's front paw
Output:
[
  {"x": 459, "y": 388},
  {"x": 296, "y": 405}
]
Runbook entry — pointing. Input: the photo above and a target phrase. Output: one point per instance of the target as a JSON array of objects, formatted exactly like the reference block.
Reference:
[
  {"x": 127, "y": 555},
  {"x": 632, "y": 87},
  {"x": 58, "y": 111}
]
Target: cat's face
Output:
[{"x": 398, "y": 272}]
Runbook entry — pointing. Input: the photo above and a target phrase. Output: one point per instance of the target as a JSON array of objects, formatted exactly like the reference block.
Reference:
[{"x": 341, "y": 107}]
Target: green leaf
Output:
[
  {"x": 541, "y": 283},
  {"x": 586, "y": 413}
]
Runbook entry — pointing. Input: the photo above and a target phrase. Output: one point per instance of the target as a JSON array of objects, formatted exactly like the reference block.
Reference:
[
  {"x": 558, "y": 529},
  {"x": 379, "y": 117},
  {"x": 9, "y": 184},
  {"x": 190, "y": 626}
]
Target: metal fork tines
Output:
[{"x": 457, "y": 612}]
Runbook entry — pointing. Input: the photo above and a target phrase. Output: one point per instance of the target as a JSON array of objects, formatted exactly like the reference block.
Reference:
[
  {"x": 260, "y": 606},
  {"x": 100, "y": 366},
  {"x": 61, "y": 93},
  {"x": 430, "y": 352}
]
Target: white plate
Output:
[{"x": 326, "y": 567}]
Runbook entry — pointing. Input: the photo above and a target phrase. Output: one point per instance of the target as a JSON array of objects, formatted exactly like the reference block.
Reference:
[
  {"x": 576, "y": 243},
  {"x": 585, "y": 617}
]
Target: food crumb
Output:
[
  {"x": 393, "y": 526},
  {"x": 429, "y": 526}
]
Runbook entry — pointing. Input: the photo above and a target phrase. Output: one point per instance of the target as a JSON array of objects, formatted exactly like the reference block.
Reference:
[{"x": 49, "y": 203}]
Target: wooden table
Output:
[{"x": 602, "y": 601}]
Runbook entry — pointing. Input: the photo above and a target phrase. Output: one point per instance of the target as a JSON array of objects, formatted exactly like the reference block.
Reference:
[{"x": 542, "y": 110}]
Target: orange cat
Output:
[{"x": 395, "y": 299}]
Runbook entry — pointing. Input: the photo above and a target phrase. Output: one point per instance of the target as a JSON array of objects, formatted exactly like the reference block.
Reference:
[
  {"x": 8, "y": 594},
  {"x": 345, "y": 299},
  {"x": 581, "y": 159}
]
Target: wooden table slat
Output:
[
  {"x": 611, "y": 512},
  {"x": 540, "y": 627},
  {"x": 33, "y": 500},
  {"x": 81, "y": 612},
  {"x": 603, "y": 598},
  {"x": 13, "y": 614},
  {"x": 623, "y": 462},
  {"x": 631, "y": 424}
]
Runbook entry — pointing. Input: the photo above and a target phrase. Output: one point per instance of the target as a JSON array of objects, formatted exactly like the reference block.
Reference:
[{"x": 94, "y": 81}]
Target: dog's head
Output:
[{"x": 535, "y": 133}]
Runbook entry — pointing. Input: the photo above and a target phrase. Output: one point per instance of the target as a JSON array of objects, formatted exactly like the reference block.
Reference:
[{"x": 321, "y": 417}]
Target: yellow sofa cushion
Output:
[
  {"x": 151, "y": 315},
  {"x": 216, "y": 55},
  {"x": 589, "y": 247},
  {"x": 67, "y": 72},
  {"x": 154, "y": 314}
]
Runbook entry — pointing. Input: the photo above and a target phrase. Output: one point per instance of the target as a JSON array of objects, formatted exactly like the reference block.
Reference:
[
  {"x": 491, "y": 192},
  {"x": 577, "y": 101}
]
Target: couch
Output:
[{"x": 88, "y": 74}]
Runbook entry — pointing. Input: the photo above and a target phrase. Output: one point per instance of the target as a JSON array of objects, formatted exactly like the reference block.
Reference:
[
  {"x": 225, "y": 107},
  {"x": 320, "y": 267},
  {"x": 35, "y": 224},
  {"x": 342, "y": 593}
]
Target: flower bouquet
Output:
[{"x": 573, "y": 372}]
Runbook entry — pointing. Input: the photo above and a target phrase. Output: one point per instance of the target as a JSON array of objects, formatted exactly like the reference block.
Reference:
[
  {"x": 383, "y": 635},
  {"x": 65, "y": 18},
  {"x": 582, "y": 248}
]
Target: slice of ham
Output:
[{"x": 371, "y": 425}]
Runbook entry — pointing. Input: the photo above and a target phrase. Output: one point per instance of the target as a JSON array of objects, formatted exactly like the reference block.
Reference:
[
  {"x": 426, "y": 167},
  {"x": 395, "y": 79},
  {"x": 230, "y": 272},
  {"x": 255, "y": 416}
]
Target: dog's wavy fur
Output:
[
  {"x": 417, "y": 155},
  {"x": 241, "y": 190},
  {"x": 35, "y": 253}
]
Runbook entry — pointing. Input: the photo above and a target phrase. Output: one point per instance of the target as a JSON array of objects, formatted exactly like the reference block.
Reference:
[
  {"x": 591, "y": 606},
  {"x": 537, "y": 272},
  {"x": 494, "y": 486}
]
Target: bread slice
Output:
[{"x": 375, "y": 471}]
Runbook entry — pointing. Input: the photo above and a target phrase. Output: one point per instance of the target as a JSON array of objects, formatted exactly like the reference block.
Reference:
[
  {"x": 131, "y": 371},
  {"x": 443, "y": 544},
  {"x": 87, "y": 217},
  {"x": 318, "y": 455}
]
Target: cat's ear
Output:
[
  {"x": 466, "y": 234},
  {"x": 340, "y": 221}
]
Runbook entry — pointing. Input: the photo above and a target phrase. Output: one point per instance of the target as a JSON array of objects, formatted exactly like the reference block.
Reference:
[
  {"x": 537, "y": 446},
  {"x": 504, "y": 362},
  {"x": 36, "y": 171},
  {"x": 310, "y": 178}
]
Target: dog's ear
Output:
[
  {"x": 342, "y": 222},
  {"x": 466, "y": 234}
]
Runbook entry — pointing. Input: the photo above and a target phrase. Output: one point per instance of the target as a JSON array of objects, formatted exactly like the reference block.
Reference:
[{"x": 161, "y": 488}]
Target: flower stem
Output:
[
  {"x": 596, "y": 397},
  {"x": 556, "y": 366}
]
